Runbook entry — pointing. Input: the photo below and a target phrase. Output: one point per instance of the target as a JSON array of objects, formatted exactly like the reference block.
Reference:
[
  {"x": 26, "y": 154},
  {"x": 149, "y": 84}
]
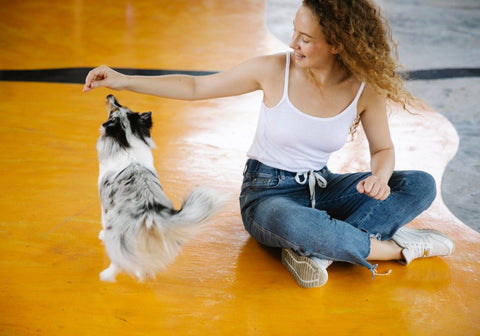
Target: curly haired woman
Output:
[{"x": 341, "y": 72}]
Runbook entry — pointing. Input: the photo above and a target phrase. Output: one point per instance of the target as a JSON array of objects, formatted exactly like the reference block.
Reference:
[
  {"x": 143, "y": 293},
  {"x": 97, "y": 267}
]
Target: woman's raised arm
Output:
[{"x": 243, "y": 78}]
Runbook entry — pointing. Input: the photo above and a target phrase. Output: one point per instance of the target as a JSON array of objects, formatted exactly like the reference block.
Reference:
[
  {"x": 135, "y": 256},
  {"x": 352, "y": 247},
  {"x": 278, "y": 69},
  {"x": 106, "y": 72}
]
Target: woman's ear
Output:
[{"x": 337, "y": 49}]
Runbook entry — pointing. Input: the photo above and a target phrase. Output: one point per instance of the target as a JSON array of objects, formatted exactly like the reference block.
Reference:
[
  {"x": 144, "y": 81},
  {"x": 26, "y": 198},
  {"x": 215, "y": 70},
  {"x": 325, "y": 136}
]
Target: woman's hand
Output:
[
  {"x": 374, "y": 187},
  {"x": 103, "y": 76}
]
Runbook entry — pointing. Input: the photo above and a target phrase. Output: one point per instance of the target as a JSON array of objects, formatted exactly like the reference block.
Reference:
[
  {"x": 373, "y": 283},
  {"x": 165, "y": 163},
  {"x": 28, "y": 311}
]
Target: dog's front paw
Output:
[
  {"x": 101, "y": 235},
  {"x": 109, "y": 274}
]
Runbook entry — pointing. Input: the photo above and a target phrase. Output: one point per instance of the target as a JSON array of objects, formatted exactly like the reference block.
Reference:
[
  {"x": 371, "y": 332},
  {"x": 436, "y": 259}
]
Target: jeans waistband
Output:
[{"x": 255, "y": 166}]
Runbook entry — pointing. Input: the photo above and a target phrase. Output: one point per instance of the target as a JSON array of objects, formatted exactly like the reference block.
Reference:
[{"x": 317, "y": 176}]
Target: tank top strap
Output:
[
  {"x": 359, "y": 93},
  {"x": 287, "y": 76}
]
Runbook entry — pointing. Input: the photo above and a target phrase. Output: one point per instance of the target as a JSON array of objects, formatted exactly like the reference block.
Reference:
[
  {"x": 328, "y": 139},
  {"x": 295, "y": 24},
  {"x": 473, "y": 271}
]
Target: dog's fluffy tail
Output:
[
  {"x": 159, "y": 240},
  {"x": 199, "y": 206}
]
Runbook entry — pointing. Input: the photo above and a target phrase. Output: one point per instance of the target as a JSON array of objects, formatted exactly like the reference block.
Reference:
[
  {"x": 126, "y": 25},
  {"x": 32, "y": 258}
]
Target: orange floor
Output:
[{"x": 223, "y": 283}]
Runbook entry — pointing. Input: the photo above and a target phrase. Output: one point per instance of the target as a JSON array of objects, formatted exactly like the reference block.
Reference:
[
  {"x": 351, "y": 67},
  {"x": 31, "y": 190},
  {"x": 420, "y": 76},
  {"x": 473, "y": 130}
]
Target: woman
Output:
[{"x": 340, "y": 73}]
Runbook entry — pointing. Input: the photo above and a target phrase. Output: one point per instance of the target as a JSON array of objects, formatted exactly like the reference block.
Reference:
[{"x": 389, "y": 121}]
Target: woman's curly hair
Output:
[{"x": 363, "y": 39}]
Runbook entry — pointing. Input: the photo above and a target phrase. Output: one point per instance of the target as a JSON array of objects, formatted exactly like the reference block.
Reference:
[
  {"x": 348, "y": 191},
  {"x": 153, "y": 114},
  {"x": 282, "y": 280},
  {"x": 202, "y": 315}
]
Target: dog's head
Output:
[{"x": 123, "y": 124}]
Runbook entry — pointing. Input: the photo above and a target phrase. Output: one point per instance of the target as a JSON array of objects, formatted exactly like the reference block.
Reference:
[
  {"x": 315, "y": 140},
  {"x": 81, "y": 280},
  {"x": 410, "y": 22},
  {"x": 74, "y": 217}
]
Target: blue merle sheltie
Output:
[{"x": 142, "y": 232}]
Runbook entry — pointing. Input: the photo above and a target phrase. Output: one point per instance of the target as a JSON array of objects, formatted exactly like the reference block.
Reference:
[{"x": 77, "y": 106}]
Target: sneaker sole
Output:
[
  {"x": 306, "y": 271},
  {"x": 447, "y": 238}
]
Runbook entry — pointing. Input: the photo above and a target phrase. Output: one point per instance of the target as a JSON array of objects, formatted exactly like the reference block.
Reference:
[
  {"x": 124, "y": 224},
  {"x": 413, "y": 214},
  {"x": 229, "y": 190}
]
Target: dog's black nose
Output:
[{"x": 113, "y": 101}]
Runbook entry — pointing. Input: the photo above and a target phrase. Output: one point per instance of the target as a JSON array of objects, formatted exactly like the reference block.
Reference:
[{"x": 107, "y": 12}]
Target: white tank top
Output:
[{"x": 288, "y": 139}]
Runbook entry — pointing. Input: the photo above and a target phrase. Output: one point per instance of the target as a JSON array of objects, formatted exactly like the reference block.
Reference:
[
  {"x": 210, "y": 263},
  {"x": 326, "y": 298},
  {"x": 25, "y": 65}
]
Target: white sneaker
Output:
[
  {"x": 422, "y": 243},
  {"x": 309, "y": 272}
]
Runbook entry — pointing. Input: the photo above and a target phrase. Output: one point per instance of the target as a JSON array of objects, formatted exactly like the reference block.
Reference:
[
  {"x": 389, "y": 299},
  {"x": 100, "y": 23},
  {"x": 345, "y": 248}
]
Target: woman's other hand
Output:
[{"x": 374, "y": 187}]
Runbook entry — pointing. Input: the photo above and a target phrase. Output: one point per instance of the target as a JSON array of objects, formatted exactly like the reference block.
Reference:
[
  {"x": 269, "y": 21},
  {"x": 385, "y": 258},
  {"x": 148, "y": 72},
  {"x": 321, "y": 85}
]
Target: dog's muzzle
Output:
[{"x": 112, "y": 103}]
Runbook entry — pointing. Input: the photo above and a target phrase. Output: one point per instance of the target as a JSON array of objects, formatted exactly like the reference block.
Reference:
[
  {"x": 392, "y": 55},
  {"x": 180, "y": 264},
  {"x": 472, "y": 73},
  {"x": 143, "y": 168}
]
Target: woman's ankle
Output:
[{"x": 384, "y": 250}]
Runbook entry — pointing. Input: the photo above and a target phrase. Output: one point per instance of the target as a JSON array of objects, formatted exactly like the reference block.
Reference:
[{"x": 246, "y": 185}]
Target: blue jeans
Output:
[{"x": 276, "y": 211}]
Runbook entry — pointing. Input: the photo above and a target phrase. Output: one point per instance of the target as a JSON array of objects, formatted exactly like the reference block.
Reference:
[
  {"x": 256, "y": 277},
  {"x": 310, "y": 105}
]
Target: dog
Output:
[{"x": 141, "y": 230}]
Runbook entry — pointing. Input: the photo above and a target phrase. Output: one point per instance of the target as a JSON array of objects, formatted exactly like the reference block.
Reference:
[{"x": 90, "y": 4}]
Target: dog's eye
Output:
[{"x": 109, "y": 122}]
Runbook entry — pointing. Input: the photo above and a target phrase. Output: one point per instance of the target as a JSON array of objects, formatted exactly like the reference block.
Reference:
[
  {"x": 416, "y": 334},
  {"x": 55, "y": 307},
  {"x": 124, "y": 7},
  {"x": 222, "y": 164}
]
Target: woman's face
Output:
[{"x": 310, "y": 47}]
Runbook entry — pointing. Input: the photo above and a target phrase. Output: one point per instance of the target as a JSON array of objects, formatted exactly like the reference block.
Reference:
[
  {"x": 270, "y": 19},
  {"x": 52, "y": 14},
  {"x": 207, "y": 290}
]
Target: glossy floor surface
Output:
[{"x": 223, "y": 283}]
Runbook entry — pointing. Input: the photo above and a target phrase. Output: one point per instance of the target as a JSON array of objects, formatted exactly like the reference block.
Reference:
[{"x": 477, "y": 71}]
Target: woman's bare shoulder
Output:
[
  {"x": 269, "y": 67},
  {"x": 272, "y": 61},
  {"x": 371, "y": 99}
]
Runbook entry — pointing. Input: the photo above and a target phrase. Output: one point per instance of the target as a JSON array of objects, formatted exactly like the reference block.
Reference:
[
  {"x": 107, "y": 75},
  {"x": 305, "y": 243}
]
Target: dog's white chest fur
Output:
[{"x": 111, "y": 162}]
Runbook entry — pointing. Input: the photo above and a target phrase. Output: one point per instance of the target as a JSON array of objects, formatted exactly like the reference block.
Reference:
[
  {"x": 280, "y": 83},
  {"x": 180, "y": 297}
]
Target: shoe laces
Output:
[{"x": 421, "y": 249}]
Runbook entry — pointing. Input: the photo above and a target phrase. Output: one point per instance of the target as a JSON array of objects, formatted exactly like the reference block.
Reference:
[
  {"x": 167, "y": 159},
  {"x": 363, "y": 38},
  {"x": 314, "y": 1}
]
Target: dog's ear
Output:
[
  {"x": 140, "y": 124},
  {"x": 115, "y": 130},
  {"x": 146, "y": 119}
]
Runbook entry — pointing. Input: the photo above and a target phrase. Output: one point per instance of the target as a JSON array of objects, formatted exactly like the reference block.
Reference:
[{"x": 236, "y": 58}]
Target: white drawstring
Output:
[
  {"x": 313, "y": 178},
  {"x": 375, "y": 272}
]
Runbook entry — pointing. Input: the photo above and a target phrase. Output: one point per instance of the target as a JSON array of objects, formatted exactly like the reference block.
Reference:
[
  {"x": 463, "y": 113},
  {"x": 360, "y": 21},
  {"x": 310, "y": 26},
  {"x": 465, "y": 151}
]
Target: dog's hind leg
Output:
[
  {"x": 110, "y": 273},
  {"x": 140, "y": 275}
]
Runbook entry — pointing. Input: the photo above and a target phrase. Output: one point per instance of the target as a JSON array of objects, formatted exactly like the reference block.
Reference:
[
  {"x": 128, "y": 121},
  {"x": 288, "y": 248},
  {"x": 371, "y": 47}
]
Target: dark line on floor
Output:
[
  {"x": 77, "y": 75},
  {"x": 445, "y": 73}
]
